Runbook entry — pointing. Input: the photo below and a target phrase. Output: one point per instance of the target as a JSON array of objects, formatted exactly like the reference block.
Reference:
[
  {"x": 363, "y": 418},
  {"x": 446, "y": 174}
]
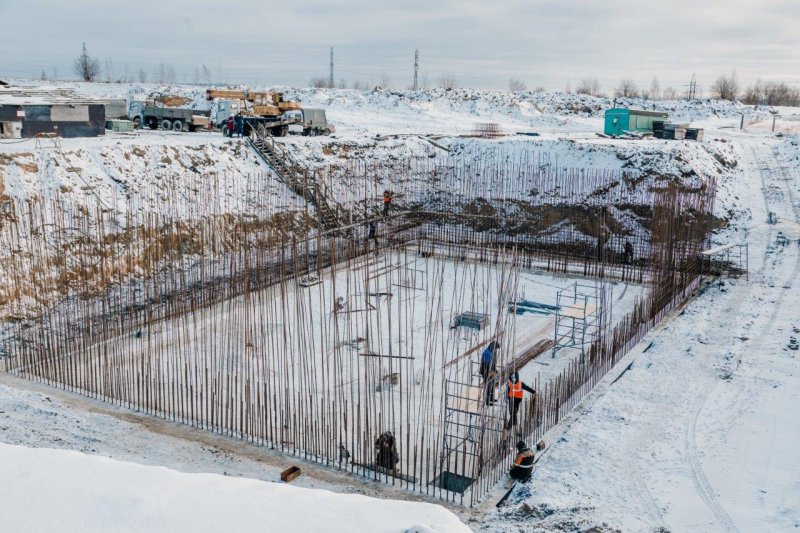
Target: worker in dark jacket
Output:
[
  {"x": 516, "y": 391},
  {"x": 238, "y": 122},
  {"x": 230, "y": 126},
  {"x": 523, "y": 464},
  {"x": 488, "y": 370}
]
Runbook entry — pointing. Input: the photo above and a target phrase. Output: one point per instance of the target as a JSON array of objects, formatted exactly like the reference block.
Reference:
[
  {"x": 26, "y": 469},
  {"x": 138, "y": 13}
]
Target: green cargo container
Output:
[
  {"x": 119, "y": 125},
  {"x": 621, "y": 119}
]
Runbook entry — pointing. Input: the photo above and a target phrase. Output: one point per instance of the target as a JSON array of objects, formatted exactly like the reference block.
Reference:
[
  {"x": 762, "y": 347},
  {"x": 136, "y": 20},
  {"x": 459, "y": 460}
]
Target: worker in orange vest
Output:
[
  {"x": 387, "y": 200},
  {"x": 523, "y": 464},
  {"x": 516, "y": 391}
]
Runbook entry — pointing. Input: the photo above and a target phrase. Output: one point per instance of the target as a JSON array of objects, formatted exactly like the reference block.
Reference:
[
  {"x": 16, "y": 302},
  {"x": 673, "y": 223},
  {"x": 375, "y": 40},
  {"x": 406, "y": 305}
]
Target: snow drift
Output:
[{"x": 69, "y": 491}]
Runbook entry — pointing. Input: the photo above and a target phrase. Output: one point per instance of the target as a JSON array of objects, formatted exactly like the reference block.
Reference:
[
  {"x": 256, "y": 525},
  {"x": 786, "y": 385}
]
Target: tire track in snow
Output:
[{"x": 703, "y": 486}]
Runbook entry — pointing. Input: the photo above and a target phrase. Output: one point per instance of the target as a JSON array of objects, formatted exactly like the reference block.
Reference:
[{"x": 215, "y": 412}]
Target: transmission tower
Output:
[
  {"x": 691, "y": 94},
  {"x": 330, "y": 80},
  {"x": 416, "y": 68}
]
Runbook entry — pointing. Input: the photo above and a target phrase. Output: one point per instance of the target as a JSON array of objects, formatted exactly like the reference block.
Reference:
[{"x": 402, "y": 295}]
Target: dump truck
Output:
[{"x": 167, "y": 118}]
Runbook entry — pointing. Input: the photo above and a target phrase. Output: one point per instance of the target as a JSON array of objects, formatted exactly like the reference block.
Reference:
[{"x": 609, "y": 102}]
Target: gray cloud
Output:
[{"x": 482, "y": 44}]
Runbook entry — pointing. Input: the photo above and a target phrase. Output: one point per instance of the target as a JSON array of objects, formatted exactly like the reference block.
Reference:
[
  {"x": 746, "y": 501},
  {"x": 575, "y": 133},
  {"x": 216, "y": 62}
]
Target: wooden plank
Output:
[
  {"x": 576, "y": 312},
  {"x": 473, "y": 349},
  {"x": 471, "y": 402},
  {"x": 392, "y": 473},
  {"x": 385, "y": 356},
  {"x": 290, "y": 473}
]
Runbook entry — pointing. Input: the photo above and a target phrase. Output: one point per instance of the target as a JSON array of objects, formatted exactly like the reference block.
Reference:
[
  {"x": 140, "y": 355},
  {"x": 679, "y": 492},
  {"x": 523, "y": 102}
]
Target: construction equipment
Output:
[
  {"x": 263, "y": 104},
  {"x": 250, "y": 96},
  {"x": 168, "y": 118},
  {"x": 310, "y": 122},
  {"x": 267, "y": 109}
]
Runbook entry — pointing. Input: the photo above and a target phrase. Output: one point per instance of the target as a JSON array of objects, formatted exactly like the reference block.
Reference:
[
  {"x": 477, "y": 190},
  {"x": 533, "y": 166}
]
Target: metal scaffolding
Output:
[
  {"x": 467, "y": 419},
  {"x": 580, "y": 317}
]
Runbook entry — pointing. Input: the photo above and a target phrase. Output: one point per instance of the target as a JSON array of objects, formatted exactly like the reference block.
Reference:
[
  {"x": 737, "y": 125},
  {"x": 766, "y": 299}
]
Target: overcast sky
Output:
[{"x": 481, "y": 44}]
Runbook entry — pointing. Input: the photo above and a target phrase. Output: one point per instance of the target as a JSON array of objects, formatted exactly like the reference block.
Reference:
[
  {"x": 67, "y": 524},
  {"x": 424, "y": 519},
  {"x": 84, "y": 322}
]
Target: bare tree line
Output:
[
  {"x": 90, "y": 68},
  {"x": 771, "y": 93},
  {"x": 725, "y": 87}
]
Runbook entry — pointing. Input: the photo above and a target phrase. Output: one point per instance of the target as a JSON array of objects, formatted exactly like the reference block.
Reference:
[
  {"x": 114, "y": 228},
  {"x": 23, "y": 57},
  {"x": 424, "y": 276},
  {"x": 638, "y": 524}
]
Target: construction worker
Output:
[
  {"x": 372, "y": 236},
  {"x": 628, "y": 252},
  {"x": 238, "y": 121},
  {"x": 523, "y": 464},
  {"x": 516, "y": 391},
  {"x": 488, "y": 370},
  {"x": 386, "y": 455},
  {"x": 387, "y": 201},
  {"x": 230, "y": 126}
]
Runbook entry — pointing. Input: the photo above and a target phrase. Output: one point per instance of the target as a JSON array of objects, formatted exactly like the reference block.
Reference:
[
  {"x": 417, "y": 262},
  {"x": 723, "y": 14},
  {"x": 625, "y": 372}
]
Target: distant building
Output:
[
  {"x": 26, "y": 112},
  {"x": 621, "y": 119}
]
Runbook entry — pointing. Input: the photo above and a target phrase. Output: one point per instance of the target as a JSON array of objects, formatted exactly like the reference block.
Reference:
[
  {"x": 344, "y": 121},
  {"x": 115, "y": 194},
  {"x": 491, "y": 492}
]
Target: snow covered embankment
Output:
[{"x": 69, "y": 491}]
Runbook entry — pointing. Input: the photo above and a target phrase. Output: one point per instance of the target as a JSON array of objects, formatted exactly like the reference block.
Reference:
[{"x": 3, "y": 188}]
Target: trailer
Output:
[
  {"x": 167, "y": 118},
  {"x": 621, "y": 120},
  {"x": 277, "y": 127},
  {"x": 309, "y": 122}
]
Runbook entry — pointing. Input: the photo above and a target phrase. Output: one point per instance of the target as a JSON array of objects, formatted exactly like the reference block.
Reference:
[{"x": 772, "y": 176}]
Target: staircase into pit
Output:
[{"x": 308, "y": 184}]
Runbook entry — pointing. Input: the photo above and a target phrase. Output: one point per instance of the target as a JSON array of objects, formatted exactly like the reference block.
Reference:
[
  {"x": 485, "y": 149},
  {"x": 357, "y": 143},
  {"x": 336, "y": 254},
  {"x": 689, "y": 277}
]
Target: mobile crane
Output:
[{"x": 269, "y": 109}]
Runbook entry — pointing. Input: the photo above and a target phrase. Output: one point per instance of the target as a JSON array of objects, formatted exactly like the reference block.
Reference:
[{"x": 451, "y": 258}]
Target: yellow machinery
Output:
[{"x": 264, "y": 104}]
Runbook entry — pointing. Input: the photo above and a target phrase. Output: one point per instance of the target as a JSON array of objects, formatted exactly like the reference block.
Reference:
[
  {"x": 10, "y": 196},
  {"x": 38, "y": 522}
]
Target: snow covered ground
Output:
[
  {"x": 71, "y": 491},
  {"x": 699, "y": 435}
]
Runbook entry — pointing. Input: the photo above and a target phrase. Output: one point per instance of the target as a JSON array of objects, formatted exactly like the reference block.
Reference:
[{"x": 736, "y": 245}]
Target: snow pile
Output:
[
  {"x": 440, "y": 111},
  {"x": 647, "y": 164},
  {"x": 156, "y": 171},
  {"x": 69, "y": 491},
  {"x": 516, "y": 105}
]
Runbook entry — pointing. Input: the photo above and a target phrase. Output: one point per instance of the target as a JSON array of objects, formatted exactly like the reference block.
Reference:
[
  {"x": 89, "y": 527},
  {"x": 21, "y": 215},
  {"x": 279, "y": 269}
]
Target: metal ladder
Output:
[{"x": 308, "y": 184}]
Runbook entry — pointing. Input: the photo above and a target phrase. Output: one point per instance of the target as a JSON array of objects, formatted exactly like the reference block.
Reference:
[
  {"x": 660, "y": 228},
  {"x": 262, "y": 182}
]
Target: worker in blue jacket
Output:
[{"x": 488, "y": 370}]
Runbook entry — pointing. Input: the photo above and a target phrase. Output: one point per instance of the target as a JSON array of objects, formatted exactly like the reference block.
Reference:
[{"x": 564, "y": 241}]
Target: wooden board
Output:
[
  {"x": 578, "y": 313},
  {"x": 290, "y": 473},
  {"x": 392, "y": 473},
  {"x": 470, "y": 401},
  {"x": 266, "y": 110}
]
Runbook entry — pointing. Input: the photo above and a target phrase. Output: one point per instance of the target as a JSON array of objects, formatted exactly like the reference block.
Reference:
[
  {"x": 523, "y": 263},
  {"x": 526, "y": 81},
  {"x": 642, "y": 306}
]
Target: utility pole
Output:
[
  {"x": 416, "y": 68},
  {"x": 331, "y": 84}
]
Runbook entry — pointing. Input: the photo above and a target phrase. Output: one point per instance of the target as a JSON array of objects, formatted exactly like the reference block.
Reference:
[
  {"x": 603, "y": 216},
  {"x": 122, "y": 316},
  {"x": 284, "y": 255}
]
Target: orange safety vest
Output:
[{"x": 515, "y": 389}]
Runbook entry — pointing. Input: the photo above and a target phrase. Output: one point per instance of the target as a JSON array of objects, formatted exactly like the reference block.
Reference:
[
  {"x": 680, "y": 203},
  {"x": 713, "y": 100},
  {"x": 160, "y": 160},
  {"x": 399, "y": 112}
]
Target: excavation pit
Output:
[{"x": 376, "y": 343}]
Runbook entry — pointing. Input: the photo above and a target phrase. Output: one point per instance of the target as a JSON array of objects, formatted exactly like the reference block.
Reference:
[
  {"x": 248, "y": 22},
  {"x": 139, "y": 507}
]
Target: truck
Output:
[
  {"x": 268, "y": 110},
  {"x": 168, "y": 118},
  {"x": 309, "y": 122}
]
